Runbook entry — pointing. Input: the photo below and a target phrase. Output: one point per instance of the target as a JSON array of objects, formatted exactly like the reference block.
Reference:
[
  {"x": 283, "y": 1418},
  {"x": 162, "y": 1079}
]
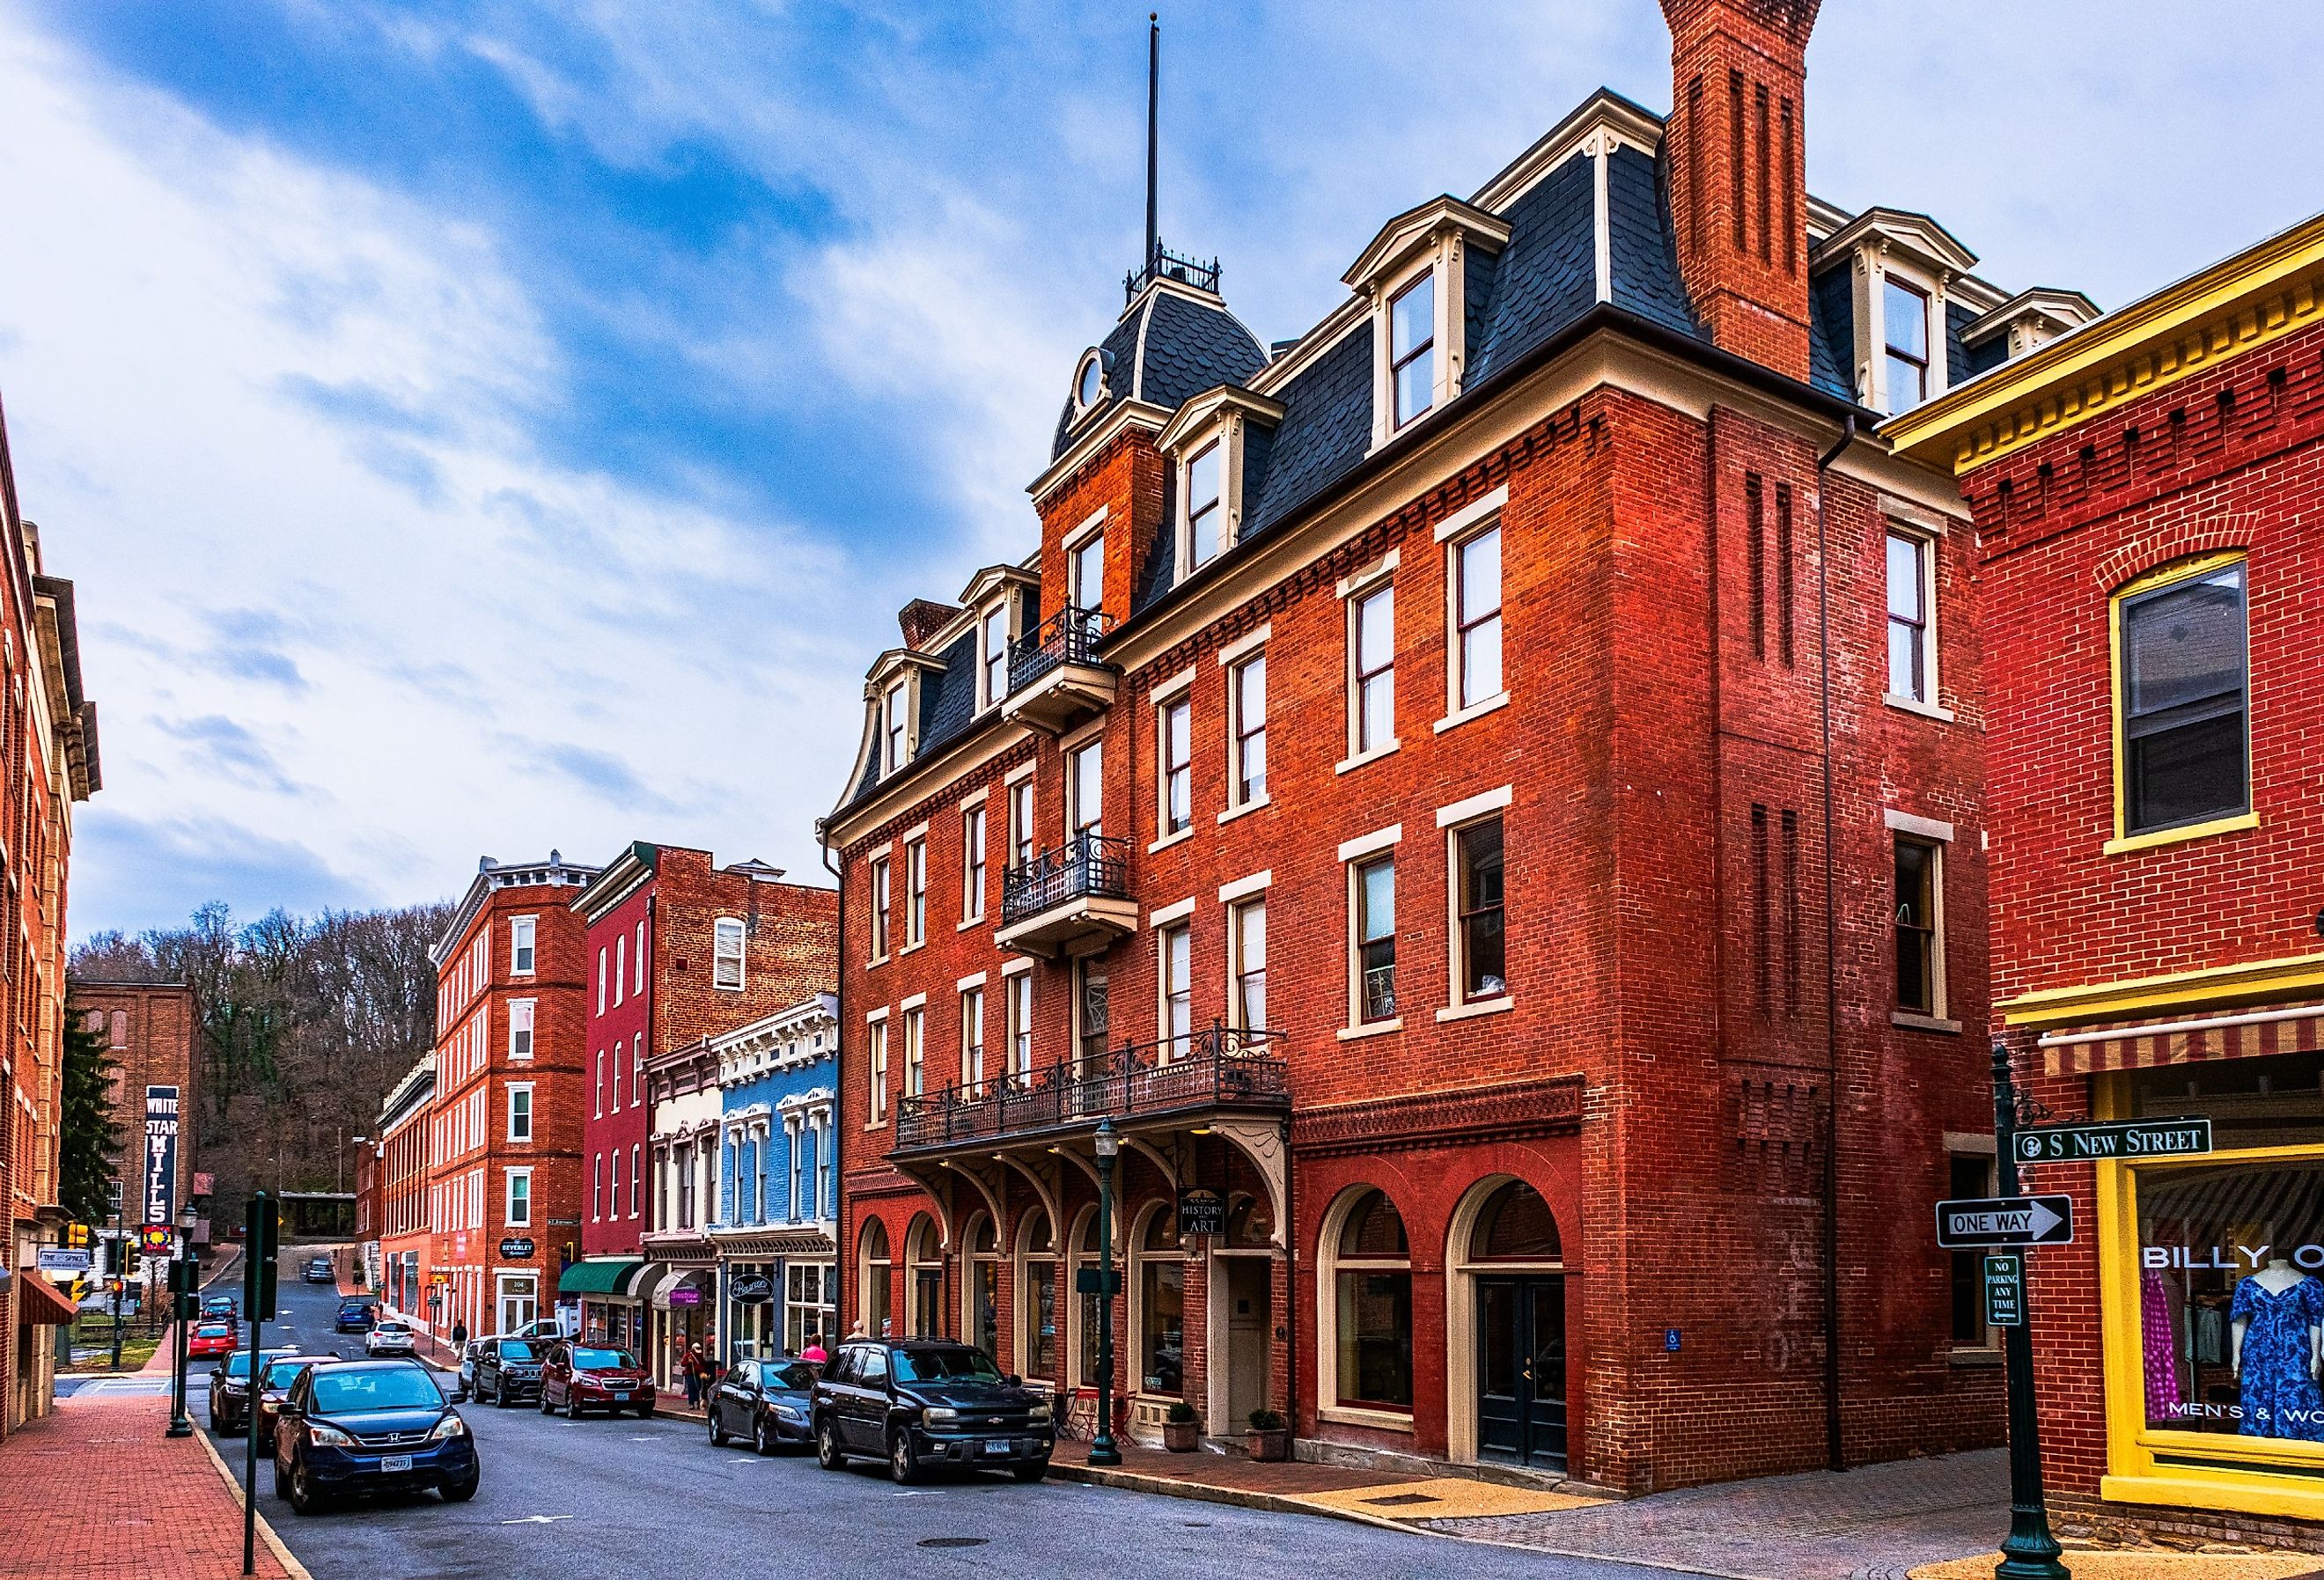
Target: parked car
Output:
[
  {"x": 350, "y": 1426},
  {"x": 391, "y": 1338},
  {"x": 221, "y": 1305},
  {"x": 546, "y": 1329},
  {"x": 229, "y": 1392},
  {"x": 506, "y": 1370},
  {"x": 212, "y": 1338},
  {"x": 587, "y": 1376},
  {"x": 766, "y": 1401},
  {"x": 920, "y": 1402},
  {"x": 354, "y": 1317},
  {"x": 319, "y": 1271},
  {"x": 274, "y": 1380}
]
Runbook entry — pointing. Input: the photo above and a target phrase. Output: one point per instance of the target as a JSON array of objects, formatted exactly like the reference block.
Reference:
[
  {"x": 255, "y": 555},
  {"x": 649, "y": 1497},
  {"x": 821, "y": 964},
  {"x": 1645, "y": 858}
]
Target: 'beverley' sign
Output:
[
  {"x": 2008, "y": 1220},
  {"x": 2126, "y": 1138}
]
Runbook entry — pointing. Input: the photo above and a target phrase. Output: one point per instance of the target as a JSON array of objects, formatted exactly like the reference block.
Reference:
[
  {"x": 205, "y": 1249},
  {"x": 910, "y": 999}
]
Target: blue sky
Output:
[{"x": 478, "y": 428}]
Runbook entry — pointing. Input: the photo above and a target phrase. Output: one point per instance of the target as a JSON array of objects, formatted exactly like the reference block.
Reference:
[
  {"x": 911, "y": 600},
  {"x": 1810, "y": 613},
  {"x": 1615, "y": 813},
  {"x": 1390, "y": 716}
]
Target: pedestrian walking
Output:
[
  {"x": 689, "y": 1366},
  {"x": 460, "y": 1333}
]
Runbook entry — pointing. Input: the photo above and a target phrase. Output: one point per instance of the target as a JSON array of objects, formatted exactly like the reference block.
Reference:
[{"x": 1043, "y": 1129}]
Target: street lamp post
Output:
[
  {"x": 182, "y": 1303},
  {"x": 1102, "y": 1447}
]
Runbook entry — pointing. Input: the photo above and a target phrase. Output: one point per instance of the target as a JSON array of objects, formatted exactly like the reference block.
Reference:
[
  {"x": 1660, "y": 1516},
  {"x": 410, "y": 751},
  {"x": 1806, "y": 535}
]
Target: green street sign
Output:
[
  {"x": 2005, "y": 1290},
  {"x": 2121, "y": 1138}
]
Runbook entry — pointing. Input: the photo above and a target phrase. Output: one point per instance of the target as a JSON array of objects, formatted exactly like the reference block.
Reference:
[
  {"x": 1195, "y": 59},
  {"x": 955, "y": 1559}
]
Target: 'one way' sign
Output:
[{"x": 2008, "y": 1220}]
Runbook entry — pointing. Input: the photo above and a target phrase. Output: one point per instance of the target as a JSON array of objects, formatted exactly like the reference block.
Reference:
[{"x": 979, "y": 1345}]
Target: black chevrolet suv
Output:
[
  {"x": 924, "y": 1402},
  {"x": 507, "y": 1371}
]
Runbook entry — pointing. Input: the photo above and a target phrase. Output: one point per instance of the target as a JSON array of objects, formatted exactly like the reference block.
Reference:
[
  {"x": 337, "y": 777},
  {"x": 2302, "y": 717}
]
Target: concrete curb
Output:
[
  {"x": 1279, "y": 1503},
  {"x": 282, "y": 1555}
]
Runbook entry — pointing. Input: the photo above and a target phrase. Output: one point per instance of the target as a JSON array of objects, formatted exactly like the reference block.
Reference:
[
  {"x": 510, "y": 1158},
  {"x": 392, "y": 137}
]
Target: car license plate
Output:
[
  {"x": 997, "y": 1445},
  {"x": 395, "y": 1461},
  {"x": 621, "y": 1398}
]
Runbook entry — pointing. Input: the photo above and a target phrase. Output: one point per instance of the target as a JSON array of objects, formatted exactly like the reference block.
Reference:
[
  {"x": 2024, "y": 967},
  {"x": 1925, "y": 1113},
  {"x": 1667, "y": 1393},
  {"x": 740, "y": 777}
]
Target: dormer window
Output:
[
  {"x": 1201, "y": 542},
  {"x": 1412, "y": 348},
  {"x": 896, "y": 729},
  {"x": 1089, "y": 382},
  {"x": 992, "y": 650},
  {"x": 1904, "y": 313}
]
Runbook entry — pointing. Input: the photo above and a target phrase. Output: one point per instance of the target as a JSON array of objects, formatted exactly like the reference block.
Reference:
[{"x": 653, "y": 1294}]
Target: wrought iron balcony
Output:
[
  {"x": 1219, "y": 1068},
  {"x": 1073, "y": 900},
  {"x": 1055, "y": 674}
]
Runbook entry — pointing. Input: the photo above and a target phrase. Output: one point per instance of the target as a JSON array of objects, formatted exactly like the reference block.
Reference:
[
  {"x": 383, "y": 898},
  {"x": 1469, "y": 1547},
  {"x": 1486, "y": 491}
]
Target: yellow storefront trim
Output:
[
  {"x": 2133, "y": 1448},
  {"x": 2122, "y": 842},
  {"x": 2175, "y": 990}
]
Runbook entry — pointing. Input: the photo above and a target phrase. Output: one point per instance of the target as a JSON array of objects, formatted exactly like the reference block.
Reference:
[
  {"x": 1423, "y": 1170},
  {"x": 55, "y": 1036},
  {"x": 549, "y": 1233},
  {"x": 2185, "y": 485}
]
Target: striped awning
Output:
[{"x": 2242, "y": 1034}]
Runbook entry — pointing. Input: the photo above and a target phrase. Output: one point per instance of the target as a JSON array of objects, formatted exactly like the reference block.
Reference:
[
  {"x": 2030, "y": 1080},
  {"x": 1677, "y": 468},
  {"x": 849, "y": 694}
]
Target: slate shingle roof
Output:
[
  {"x": 1831, "y": 332},
  {"x": 1169, "y": 350}
]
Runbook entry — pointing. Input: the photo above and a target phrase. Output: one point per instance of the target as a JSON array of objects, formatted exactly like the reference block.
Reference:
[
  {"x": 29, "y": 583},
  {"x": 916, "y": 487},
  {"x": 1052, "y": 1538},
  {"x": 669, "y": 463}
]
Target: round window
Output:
[{"x": 1092, "y": 378}]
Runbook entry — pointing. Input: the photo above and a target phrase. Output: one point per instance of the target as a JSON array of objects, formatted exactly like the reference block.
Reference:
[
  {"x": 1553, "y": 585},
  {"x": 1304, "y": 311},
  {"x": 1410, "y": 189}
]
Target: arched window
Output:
[
  {"x": 1515, "y": 1225},
  {"x": 874, "y": 1268},
  {"x": 924, "y": 1266},
  {"x": 1037, "y": 1297},
  {"x": 1372, "y": 1299},
  {"x": 981, "y": 1288},
  {"x": 1251, "y": 1224},
  {"x": 1085, "y": 1255},
  {"x": 1161, "y": 1304}
]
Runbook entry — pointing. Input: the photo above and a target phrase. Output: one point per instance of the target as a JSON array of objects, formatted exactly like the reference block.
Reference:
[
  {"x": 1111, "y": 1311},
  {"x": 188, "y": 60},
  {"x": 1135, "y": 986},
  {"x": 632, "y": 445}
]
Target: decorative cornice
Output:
[
  {"x": 1441, "y": 1119},
  {"x": 2236, "y": 306}
]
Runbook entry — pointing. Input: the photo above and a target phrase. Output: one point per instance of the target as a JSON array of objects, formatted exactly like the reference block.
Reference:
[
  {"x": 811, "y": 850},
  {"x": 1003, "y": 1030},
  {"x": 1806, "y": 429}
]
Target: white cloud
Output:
[{"x": 428, "y": 640}]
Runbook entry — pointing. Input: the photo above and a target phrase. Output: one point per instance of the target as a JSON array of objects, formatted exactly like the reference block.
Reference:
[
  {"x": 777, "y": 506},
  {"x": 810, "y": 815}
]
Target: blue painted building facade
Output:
[{"x": 775, "y": 1234}]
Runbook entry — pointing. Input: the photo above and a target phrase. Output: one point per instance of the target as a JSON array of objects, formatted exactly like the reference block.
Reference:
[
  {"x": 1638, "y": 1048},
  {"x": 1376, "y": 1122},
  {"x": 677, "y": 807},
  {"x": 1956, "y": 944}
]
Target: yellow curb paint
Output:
[
  {"x": 2106, "y": 1565},
  {"x": 1445, "y": 1497},
  {"x": 282, "y": 1555}
]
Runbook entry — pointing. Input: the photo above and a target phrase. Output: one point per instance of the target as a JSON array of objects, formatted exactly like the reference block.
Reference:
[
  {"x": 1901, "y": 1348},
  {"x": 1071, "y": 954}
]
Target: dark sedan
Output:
[
  {"x": 351, "y": 1426},
  {"x": 588, "y": 1377},
  {"x": 230, "y": 1393},
  {"x": 921, "y": 1402},
  {"x": 769, "y": 1402},
  {"x": 274, "y": 1380}
]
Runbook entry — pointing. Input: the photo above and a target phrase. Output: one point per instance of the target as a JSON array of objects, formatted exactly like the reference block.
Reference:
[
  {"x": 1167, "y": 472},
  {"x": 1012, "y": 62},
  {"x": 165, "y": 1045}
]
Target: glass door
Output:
[{"x": 1521, "y": 1371}]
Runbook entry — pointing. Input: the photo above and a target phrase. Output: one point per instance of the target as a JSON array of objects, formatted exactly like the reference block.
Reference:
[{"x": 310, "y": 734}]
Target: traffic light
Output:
[
  {"x": 76, "y": 1236},
  {"x": 116, "y": 1254},
  {"x": 261, "y": 1245}
]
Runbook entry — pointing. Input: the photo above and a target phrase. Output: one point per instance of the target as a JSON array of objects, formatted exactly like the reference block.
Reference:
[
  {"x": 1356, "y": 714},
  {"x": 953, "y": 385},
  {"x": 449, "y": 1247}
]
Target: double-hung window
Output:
[
  {"x": 896, "y": 732},
  {"x": 1477, "y": 618},
  {"x": 1020, "y": 1024},
  {"x": 1919, "y": 940},
  {"x": 916, "y": 892},
  {"x": 2182, "y": 655},
  {"x": 621, "y": 970},
  {"x": 1911, "y": 632},
  {"x": 972, "y": 1037},
  {"x": 1202, "y": 513},
  {"x": 1248, "y": 936},
  {"x": 521, "y": 1029},
  {"x": 1085, "y": 789},
  {"x": 520, "y": 1112},
  {"x": 879, "y": 898},
  {"x": 992, "y": 641},
  {"x": 972, "y": 863},
  {"x": 521, "y": 931},
  {"x": 597, "y": 1104},
  {"x": 876, "y": 1042},
  {"x": 1085, "y": 573},
  {"x": 915, "y": 1052},
  {"x": 1905, "y": 309},
  {"x": 601, "y": 979},
  {"x": 1247, "y": 705},
  {"x": 1374, "y": 890},
  {"x": 1480, "y": 936},
  {"x": 1412, "y": 348},
  {"x": 1175, "y": 955},
  {"x": 1371, "y": 662},
  {"x": 1020, "y": 823},
  {"x": 520, "y": 1198},
  {"x": 726, "y": 952},
  {"x": 1174, "y": 726}
]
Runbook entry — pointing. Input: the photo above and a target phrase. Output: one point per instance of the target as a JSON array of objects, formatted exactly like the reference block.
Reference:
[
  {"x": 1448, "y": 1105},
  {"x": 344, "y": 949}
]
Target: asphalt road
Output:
[{"x": 628, "y": 1497}]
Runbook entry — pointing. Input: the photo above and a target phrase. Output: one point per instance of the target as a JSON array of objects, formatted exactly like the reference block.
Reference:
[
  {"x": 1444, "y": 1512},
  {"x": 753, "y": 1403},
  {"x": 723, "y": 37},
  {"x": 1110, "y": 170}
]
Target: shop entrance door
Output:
[
  {"x": 1247, "y": 1342},
  {"x": 927, "y": 1302},
  {"x": 1521, "y": 1371}
]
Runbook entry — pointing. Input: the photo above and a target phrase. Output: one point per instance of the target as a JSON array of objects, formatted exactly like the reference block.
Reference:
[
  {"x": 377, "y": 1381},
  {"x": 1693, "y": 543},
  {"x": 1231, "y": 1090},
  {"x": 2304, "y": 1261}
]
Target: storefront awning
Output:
[
  {"x": 2295, "y": 1028},
  {"x": 603, "y": 1278},
  {"x": 42, "y": 1301},
  {"x": 696, "y": 1279}
]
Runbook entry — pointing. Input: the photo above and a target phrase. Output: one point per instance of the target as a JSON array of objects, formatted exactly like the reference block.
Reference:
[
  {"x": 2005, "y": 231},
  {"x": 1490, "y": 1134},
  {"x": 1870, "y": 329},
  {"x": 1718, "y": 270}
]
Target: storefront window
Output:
[
  {"x": 983, "y": 1314},
  {"x": 1037, "y": 1298},
  {"x": 1162, "y": 1306},
  {"x": 811, "y": 1300},
  {"x": 1372, "y": 1287}
]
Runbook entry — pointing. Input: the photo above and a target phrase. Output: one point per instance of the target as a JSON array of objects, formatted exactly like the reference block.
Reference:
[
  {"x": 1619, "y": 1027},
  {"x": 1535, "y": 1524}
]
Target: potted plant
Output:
[
  {"x": 1182, "y": 1428},
  {"x": 1269, "y": 1436}
]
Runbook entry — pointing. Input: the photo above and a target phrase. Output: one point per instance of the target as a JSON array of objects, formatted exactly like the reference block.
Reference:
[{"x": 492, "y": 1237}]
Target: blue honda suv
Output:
[{"x": 351, "y": 1426}]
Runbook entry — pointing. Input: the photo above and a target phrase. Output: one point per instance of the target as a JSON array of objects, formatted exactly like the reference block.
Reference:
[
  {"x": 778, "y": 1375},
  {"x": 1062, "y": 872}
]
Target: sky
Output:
[{"x": 475, "y": 429}]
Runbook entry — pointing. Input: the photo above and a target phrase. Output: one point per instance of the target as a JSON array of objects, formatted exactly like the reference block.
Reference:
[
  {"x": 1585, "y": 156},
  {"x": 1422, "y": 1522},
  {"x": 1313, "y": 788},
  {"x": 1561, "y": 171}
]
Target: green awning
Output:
[{"x": 600, "y": 1277}]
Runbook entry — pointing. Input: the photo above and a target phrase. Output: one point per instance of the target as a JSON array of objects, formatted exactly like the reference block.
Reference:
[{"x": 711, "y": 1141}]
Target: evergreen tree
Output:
[{"x": 90, "y": 1140}]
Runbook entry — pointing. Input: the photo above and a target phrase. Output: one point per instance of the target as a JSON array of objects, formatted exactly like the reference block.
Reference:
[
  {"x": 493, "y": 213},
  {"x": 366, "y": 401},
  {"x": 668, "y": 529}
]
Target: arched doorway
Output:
[
  {"x": 980, "y": 1288},
  {"x": 874, "y": 1268},
  {"x": 924, "y": 1272},
  {"x": 1506, "y": 1329},
  {"x": 1039, "y": 1327}
]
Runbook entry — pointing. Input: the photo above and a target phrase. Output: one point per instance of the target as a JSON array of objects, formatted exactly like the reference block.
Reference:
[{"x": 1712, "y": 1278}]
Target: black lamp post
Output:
[
  {"x": 181, "y": 1304},
  {"x": 1109, "y": 1147},
  {"x": 2030, "y": 1552}
]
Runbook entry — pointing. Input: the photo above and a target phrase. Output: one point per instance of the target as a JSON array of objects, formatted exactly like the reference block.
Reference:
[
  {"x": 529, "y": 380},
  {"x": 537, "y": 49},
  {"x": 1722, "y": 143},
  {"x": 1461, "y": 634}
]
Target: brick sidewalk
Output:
[{"x": 95, "y": 1490}]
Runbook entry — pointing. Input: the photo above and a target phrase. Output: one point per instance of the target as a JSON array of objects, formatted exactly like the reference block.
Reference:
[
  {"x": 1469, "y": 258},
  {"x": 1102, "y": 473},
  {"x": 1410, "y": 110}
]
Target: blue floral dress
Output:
[{"x": 2280, "y": 1396}]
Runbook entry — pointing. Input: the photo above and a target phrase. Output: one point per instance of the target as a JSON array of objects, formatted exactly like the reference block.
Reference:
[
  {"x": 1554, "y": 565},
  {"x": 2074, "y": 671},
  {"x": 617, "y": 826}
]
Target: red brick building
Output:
[
  {"x": 505, "y": 1181},
  {"x": 48, "y": 762},
  {"x": 148, "y": 1029},
  {"x": 680, "y": 949},
  {"x": 1485, "y": 799},
  {"x": 400, "y": 1155},
  {"x": 2149, "y": 494}
]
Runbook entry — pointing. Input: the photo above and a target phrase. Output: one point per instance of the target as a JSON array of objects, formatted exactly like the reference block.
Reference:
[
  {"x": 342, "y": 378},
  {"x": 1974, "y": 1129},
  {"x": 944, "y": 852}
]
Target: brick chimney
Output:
[
  {"x": 923, "y": 618},
  {"x": 1737, "y": 142}
]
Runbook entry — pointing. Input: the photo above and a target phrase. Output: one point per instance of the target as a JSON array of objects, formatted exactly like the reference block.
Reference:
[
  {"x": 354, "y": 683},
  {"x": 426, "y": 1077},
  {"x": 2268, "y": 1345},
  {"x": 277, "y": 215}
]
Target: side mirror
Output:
[{"x": 1014, "y": 1380}]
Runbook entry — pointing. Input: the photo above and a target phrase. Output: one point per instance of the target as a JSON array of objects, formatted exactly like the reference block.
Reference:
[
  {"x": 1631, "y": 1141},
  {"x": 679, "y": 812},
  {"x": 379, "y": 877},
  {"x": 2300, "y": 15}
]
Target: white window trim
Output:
[
  {"x": 531, "y": 1027},
  {"x": 532, "y": 926},
  {"x": 1493, "y": 704},
  {"x": 1354, "y": 590},
  {"x": 918, "y": 1001},
  {"x": 1168, "y": 690},
  {"x": 1454, "y": 534},
  {"x": 1473, "y": 514},
  {"x": 1172, "y": 693},
  {"x": 1171, "y": 914},
  {"x": 1244, "y": 888},
  {"x": 1934, "y": 828},
  {"x": 741, "y": 955},
  {"x": 908, "y": 685},
  {"x": 508, "y": 1197},
  {"x": 1930, "y": 543},
  {"x": 1875, "y": 261},
  {"x": 878, "y": 1014},
  {"x": 1168, "y": 840},
  {"x": 1926, "y": 831},
  {"x": 1241, "y": 809},
  {"x": 1017, "y": 966},
  {"x": 1243, "y": 646},
  {"x": 1022, "y": 771},
  {"x": 976, "y": 804},
  {"x": 1363, "y": 580},
  {"x": 1447, "y": 315},
  {"x": 1327, "y": 1316},
  {"x": 1225, "y": 434},
  {"x": 1451, "y": 822},
  {"x": 1364, "y": 845},
  {"x": 532, "y": 1117},
  {"x": 1474, "y": 807},
  {"x": 973, "y": 979}
]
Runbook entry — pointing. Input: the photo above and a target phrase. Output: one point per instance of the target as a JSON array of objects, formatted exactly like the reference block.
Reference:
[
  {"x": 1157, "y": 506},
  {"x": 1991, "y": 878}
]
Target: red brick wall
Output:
[{"x": 149, "y": 1031}]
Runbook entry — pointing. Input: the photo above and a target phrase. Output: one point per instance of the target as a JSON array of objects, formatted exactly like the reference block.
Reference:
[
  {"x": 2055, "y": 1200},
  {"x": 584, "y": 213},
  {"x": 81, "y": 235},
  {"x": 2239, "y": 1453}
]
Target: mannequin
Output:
[{"x": 2278, "y": 1355}]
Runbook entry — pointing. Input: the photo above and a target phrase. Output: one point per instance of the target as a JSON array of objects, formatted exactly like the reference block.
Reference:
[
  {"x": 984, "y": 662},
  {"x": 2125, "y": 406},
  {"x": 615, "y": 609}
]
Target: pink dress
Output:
[{"x": 2162, "y": 1347}]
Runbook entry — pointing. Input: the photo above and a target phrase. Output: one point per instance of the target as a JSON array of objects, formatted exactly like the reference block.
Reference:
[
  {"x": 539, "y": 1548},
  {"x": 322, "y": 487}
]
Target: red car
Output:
[
  {"x": 590, "y": 1377},
  {"x": 213, "y": 1338}
]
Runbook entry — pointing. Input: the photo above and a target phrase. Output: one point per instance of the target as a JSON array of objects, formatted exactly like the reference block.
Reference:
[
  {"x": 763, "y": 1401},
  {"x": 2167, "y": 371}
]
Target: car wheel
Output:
[
  {"x": 763, "y": 1440},
  {"x": 828, "y": 1451},
  {"x": 1030, "y": 1472},
  {"x": 281, "y": 1481},
  {"x": 903, "y": 1463},
  {"x": 502, "y": 1400},
  {"x": 461, "y": 1492},
  {"x": 572, "y": 1406},
  {"x": 717, "y": 1432},
  {"x": 645, "y": 1412},
  {"x": 304, "y": 1498},
  {"x": 545, "y": 1406}
]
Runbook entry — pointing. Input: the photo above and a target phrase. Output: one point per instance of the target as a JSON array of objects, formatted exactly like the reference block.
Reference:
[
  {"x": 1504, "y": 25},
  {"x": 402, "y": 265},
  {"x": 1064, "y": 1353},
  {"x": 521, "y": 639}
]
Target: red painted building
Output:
[
  {"x": 1484, "y": 799},
  {"x": 678, "y": 950},
  {"x": 2149, "y": 494},
  {"x": 402, "y": 1155},
  {"x": 505, "y": 1121}
]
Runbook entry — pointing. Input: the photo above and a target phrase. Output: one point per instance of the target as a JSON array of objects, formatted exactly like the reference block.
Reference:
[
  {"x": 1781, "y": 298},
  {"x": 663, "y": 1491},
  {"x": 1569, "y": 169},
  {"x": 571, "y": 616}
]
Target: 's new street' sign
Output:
[
  {"x": 2126, "y": 1138},
  {"x": 2008, "y": 1220}
]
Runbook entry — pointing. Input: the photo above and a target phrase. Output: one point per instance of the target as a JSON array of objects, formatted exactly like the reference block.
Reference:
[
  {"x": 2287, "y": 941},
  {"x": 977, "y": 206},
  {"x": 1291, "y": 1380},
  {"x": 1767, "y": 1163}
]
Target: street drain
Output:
[
  {"x": 1402, "y": 1500},
  {"x": 952, "y": 1541}
]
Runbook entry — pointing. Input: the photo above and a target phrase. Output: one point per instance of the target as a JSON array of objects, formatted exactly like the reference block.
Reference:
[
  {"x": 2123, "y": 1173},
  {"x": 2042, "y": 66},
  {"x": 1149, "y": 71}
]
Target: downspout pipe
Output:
[
  {"x": 839, "y": 1039},
  {"x": 1835, "y": 1441}
]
